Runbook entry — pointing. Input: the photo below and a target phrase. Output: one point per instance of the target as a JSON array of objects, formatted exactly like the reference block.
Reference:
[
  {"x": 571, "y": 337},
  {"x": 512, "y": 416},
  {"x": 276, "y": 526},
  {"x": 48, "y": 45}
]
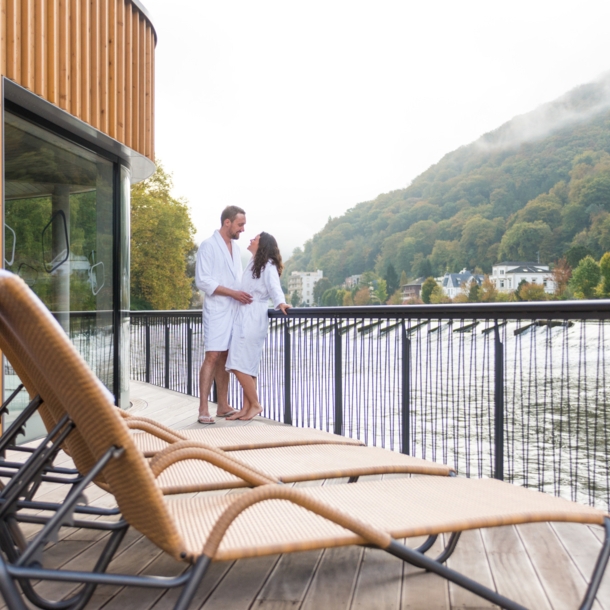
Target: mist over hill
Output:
[{"x": 538, "y": 186}]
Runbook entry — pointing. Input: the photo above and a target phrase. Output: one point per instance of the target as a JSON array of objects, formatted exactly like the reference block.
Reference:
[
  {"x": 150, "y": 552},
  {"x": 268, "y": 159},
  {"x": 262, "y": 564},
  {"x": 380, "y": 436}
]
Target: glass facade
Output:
[{"x": 66, "y": 232}]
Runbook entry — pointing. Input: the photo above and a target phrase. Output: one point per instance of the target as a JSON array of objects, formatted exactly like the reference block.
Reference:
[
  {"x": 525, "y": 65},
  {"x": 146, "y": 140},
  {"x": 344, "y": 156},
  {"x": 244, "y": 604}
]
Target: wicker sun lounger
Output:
[
  {"x": 179, "y": 471},
  {"x": 269, "y": 519}
]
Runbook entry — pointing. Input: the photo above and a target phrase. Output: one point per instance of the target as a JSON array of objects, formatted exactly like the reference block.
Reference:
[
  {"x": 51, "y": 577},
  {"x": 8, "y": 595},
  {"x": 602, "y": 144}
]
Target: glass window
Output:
[{"x": 59, "y": 236}]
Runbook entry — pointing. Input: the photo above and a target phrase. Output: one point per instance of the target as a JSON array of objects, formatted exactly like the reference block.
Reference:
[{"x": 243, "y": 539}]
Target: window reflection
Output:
[{"x": 58, "y": 235}]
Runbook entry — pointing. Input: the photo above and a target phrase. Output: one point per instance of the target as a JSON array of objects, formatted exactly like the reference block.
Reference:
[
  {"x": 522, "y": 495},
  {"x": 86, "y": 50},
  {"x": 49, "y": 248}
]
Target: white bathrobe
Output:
[
  {"x": 252, "y": 321},
  {"x": 216, "y": 267}
]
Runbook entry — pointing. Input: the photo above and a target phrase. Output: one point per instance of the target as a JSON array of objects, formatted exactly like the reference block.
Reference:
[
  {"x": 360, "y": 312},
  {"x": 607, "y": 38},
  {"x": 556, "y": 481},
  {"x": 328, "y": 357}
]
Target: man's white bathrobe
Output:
[
  {"x": 216, "y": 267},
  {"x": 252, "y": 322}
]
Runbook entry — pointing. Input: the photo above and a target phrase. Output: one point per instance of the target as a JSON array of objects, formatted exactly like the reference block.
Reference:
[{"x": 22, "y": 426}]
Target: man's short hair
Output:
[{"x": 230, "y": 212}]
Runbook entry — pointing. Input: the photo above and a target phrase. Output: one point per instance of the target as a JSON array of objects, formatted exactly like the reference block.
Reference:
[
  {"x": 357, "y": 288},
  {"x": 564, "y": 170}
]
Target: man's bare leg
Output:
[
  {"x": 248, "y": 383},
  {"x": 206, "y": 377},
  {"x": 222, "y": 385}
]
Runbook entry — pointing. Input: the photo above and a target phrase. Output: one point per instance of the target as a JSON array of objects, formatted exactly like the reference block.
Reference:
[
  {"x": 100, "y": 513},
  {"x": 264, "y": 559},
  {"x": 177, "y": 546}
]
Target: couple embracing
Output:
[{"x": 235, "y": 320}]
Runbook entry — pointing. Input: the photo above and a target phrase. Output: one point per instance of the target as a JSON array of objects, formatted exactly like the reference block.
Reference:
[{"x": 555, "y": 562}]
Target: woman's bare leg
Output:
[
  {"x": 251, "y": 407},
  {"x": 248, "y": 383}
]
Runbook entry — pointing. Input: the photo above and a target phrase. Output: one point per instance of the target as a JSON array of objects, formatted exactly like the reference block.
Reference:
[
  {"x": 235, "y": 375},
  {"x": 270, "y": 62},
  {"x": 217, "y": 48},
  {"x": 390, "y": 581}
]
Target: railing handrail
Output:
[{"x": 580, "y": 310}]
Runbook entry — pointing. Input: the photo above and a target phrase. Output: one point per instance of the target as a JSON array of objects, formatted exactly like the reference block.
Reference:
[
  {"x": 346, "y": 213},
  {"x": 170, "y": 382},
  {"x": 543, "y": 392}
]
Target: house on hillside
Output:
[
  {"x": 303, "y": 283},
  {"x": 412, "y": 290},
  {"x": 352, "y": 281},
  {"x": 507, "y": 276},
  {"x": 454, "y": 283}
]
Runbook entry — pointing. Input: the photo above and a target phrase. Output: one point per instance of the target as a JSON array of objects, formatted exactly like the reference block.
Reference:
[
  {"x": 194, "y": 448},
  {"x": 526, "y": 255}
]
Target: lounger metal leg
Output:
[
  {"x": 427, "y": 545},
  {"x": 598, "y": 572},
  {"x": 421, "y": 561},
  {"x": 9, "y": 590},
  {"x": 197, "y": 573},
  {"x": 448, "y": 550}
]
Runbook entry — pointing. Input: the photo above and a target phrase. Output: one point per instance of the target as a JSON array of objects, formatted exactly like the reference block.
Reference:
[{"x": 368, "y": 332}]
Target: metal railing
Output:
[{"x": 515, "y": 391}]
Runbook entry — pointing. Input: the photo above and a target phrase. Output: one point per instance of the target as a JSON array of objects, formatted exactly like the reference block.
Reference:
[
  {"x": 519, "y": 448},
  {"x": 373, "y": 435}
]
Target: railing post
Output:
[
  {"x": 499, "y": 405},
  {"x": 338, "y": 380},
  {"x": 189, "y": 358},
  {"x": 287, "y": 375},
  {"x": 167, "y": 353},
  {"x": 147, "y": 349},
  {"x": 406, "y": 390}
]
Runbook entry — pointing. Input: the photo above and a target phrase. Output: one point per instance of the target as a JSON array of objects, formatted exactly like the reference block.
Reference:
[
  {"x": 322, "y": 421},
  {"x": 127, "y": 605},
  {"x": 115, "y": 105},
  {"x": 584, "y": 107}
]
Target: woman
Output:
[{"x": 261, "y": 279}]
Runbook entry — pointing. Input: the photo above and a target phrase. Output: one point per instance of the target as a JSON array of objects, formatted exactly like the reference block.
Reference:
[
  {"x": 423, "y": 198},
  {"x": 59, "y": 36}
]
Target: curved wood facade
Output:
[{"x": 92, "y": 58}]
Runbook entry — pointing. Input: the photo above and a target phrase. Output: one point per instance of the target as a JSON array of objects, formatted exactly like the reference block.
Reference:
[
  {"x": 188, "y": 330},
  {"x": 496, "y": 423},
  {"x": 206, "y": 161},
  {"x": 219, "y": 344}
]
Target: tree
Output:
[
  {"x": 380, "y": 293},
  {"x": 295, "y": 300},
  {"x": 474, "y": 293},
  {"x": 575, "y": 254},
  {"x": 161, "y": 240},
  {"x": 522, "y": 242},
  {"x": 585, "y": 278},
  {"x": 348, "y": 299},
  {"x": 562, "y": 272},
  {"x": 532, "y": 292},
  {"x": 363, "y": 296},
  {"x": 403, "y": 279},
  {"x": 320, "y": 287},
  {"x": 437, "y": 296},
  {"x": 391, "y": 279},
  {"x": 426, "y": 289},
  {"x": 603, "y": 290},
  {"x": 488, "y": 292},
  {"x": 396, "y": 298}
]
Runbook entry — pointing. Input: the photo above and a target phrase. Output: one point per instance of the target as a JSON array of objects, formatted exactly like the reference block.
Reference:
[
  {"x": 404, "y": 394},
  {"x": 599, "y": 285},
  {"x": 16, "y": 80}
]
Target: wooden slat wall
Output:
[{"x": 93, "y": 58}]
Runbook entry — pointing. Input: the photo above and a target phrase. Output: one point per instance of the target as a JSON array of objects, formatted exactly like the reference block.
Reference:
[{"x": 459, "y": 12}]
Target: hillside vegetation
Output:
[{"x": 536, "y": 188}]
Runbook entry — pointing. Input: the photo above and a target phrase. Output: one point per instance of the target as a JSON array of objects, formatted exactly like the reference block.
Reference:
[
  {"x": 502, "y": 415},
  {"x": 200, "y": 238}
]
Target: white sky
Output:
[{"x": 300, "y": 110}]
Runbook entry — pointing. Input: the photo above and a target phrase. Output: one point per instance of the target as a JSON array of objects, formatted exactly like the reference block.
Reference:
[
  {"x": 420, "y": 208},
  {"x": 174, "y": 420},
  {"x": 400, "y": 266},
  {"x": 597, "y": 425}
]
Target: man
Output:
[{"x": 218, "y": 273}]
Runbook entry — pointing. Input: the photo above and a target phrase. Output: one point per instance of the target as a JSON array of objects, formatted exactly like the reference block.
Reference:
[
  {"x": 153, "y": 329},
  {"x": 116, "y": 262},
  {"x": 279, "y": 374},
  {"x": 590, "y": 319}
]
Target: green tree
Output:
[
  {"x": 161, "y": 240},
  {"x": 524, "y": 240},
  {"x": 321, "y": 286},
  {"x": 295, "y": 300},
  {"x": 585, "y": 278},
  {"x": 604, "y": 268},
  {"x": 403, "y": 279},
  {"x": 391, "y": 278},
  {"x": 426, "y": 289},
  {"x": 380, "y": 293},
  {"x": 575, "y": 254}
]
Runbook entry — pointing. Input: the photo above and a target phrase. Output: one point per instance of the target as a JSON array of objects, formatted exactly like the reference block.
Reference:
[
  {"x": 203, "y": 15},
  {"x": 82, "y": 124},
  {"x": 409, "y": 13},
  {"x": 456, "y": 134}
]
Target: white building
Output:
[
  {"x": 303, "y": 283},
  {"x": 351, "y": 281},
  {"x": 507, "y": 276},
  {"x": 454, "y": 283}
]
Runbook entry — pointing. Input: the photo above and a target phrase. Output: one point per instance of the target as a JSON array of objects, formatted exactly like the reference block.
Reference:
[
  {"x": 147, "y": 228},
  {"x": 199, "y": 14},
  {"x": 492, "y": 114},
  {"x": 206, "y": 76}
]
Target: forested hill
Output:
[{"x": 537, "y": 186}]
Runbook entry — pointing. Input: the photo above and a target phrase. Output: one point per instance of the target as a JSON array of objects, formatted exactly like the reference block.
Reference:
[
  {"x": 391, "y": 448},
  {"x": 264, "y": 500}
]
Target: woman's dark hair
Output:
[{"x": 267, "y": 251}]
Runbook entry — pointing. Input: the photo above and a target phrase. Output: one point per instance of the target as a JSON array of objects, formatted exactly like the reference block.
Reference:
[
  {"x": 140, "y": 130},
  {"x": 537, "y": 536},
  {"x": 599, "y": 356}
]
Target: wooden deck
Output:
[{"x": 541, "y": 566}]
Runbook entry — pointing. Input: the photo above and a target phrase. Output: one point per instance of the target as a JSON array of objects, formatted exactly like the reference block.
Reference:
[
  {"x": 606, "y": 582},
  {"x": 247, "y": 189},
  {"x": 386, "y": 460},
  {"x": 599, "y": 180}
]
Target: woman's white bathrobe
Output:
[
  {"x": 252, "y": 322},
  {"x": 216, "y": 267}
]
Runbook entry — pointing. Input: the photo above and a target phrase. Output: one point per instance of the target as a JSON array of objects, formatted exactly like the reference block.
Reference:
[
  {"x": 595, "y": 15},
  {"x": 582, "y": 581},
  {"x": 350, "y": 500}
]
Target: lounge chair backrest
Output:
[
  {"x": 58, "y": 371},
  {"x": 51, "y": 410}
]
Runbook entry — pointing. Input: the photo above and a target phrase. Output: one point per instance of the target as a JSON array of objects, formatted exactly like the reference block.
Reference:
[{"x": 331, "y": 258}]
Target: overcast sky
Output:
[{"x": 298, "y": 111}]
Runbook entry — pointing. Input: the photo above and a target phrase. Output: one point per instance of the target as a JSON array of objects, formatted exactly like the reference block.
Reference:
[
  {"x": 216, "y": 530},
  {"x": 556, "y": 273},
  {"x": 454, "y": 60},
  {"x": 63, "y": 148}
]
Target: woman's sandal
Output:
[{"x": 205, "y": 419}]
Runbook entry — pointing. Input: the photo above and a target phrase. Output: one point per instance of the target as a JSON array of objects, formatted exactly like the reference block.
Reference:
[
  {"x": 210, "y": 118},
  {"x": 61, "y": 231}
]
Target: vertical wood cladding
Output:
[{"x": 92, "y": 58}]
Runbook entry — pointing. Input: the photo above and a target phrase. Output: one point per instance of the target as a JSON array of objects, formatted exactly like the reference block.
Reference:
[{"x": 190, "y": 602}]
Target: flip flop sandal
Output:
[
  {"x": 205, "y": 419},
  {"x": 231, "y": 412}
]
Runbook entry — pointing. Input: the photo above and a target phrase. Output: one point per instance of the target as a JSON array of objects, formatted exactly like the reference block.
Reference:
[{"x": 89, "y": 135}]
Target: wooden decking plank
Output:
[
  {"x": 379, "y": 581},
  {"x": 561, "y": 579},
  {"x": 216, "y": 572},
  {"x": 287, "y": 585},
  {"x": 470, "y": 559},
  {"x": 422, "y": 590},
  {"x": 583, "y": 547},
  {"x": 513, "y": 572},
  {"x": 333, "y": 583},
  {"x": 242, "y": 583}
]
